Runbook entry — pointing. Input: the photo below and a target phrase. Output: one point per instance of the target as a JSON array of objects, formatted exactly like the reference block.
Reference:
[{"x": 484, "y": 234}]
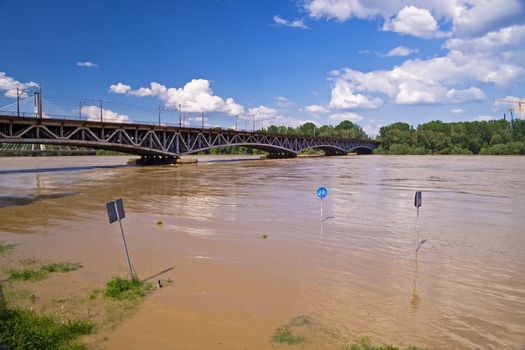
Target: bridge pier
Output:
[
  {"x": 157, "y": 160},
  {"x": 278, "y": 155},
  {"x": 335, "y": 153}
]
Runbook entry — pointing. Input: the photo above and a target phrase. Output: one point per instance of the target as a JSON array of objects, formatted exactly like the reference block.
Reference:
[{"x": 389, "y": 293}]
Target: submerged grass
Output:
[
  {"x": 365, "y": 344},
  {"x": 25, "y": 329},
  {"x": 6, "y": 247},
  {"x": 121, "y": 288},
  {"x": 284, "y": 335},
  {"x": 35, "y": 274},
  {"x": 61, "y": 267}
]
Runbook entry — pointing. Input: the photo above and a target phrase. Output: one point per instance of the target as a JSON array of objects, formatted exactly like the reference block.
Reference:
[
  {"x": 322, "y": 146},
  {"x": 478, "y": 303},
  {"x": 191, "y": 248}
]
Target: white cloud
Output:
[
  {"x": 263, "y": 112},
  {"x": 119, "y": 88},
  {"x": 316, "y": 109},
  {"x": 195, "y": 96},
  {"x": 468, "y": 18},
  {"x": 272, "y": 116},
  {"x": 87, "y": 64},
  {"x": 9, "y": 86},
  {"x": 297, "y": 23},
  {"x": 476, "y": 17},
  {"x": 338, "y": 9},
  {"x": 457, "y": 111},
  {"x": 484, "y": 118},
  {"x": 472, "y": 94},
  {"x": 420, "y": 92},
  {"x": 93, "y": 113},
  {"x": 492, "y": 41},
  {"x": 414, "y": 21},
  {"x": 496, "y": 58},
  {"x": 372, "y": 127},
  {"x": 283, "y": 101},
  {"x": 339, "y": 117},
  {"x": 141, "y": 92},
  {"x": 400, "y": 51},
  {"x": 508, "y": 102},
  {"x": 343, "y": 97}
]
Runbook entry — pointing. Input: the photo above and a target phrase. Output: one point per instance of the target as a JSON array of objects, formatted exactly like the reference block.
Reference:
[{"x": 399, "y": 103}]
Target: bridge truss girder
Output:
[{"x": 159, "y": 140}]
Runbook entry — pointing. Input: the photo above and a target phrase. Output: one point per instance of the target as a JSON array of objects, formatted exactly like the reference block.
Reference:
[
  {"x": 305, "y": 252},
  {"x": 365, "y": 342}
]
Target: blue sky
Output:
[{"x": 286, "y": 62}]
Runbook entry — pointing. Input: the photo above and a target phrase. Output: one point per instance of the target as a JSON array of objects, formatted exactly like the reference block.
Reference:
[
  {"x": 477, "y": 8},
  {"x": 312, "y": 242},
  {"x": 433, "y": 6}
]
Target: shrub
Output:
[{"x": 123, "y": 288}]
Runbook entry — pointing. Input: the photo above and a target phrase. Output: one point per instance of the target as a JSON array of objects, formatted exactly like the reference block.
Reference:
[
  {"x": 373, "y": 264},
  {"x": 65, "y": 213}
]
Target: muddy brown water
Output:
[{"x": 355, "y": 274}]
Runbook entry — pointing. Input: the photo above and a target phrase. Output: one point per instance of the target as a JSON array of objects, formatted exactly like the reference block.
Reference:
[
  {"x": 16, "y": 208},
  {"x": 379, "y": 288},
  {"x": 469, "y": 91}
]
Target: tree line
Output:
[{"x": 495, "y": 137}]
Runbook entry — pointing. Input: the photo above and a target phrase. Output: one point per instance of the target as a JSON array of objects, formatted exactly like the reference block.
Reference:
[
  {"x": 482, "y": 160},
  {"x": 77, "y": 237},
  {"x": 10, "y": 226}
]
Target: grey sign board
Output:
[
  {"x": 115, "y": 210},
  {"x": 418, "y": 200}
]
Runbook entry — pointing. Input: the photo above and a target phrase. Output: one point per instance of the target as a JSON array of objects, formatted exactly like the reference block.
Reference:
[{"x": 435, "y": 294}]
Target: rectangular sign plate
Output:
[
  {"x": 120, "y": 209},
  {"x": 112, "y": 212},
  {"x": 418, "y": 200}
]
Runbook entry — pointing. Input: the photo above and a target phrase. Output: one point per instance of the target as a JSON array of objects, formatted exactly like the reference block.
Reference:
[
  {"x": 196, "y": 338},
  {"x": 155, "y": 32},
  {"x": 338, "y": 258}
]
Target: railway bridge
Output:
[{"x": 161, "y": 143}]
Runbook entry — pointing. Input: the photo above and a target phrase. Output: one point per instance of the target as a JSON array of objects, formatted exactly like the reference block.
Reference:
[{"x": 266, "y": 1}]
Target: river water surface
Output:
[{"x": 354, "y": 274}]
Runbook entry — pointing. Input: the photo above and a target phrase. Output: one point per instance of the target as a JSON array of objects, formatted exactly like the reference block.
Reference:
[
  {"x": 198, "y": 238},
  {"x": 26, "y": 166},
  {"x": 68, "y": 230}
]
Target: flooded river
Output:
[{"x": 354, "y": 274}]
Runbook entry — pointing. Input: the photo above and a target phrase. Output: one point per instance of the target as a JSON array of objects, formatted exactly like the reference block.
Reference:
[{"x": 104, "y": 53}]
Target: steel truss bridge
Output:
[{"x": 162, "y": 143}]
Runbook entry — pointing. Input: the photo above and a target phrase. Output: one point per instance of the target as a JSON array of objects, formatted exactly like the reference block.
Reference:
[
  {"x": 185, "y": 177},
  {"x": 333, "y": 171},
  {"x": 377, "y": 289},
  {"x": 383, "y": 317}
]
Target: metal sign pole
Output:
[
  {"x": 321, "y": 210},
  {"x": 418, "y": 201},
  {"x": 417, "y": 230},
  {"x": 132, "y": 275},
  {"x": 116, "y": 213}
]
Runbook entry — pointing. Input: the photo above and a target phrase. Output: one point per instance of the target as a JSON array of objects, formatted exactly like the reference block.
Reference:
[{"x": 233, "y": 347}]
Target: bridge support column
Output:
[
  {"x": 335, "y": 153},
  {"x": 157, "y": 160},
  {"x": 281, "y": 155}
]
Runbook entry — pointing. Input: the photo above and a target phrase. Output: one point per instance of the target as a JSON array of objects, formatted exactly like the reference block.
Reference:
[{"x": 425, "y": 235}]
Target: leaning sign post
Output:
[
  {"x": 418, "y": 201},
  {"x": 322, "y": 192},
  {"x": 116, "y": 213}
]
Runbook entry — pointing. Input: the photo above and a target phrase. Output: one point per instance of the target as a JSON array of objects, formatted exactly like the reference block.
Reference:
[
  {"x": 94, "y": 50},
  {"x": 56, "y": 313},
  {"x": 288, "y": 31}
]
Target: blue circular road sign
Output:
[{"x": 322, "y": 192}]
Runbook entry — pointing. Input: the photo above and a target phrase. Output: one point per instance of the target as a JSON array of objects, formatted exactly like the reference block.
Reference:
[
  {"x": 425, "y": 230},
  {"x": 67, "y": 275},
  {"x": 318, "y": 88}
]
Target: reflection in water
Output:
[
  {"x": 415, "y": 297},
  {"x": 18, "y": 200}
]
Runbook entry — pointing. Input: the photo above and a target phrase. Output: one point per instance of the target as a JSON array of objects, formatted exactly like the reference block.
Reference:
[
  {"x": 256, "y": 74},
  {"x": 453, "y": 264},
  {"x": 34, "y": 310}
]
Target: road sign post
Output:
[
  {"x": 322, "y": 192},
  {"x": 116, "y": 213},
  {"x": 418, "y": 201}
]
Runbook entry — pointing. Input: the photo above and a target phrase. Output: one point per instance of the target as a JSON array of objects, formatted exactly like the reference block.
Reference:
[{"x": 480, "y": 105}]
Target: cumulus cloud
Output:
[
  {"x": 339, "y": 117},
  {"x": 414, "y": 21},
  {"x": 9, "y": 85},
  {"x": 297, "y": 23},
  {"x": 371, "y": 127},
  {"x": 283, "y": 101},
  {"x": 316, "y": 109},
  {"x": 400, "y": 51},
  {"x": 468, "y": 18},
  {"x": 457, "y": 111},
  {"x": 263, "y": 112},
  {"x": 87, "y": 64},
  {"x": 474, "y": 18},
  {"x": 339, "y": 9},
  {"x": 495, "y": 58},
  {"x": 93, "y": 113},
  {"x": 343, "y": 97},
  {"x": 472, "y": 94},
  {"x": 119, "y": 88},
  {"x": 484, "y": 118},
  {"x": 194, "y": 96}
]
